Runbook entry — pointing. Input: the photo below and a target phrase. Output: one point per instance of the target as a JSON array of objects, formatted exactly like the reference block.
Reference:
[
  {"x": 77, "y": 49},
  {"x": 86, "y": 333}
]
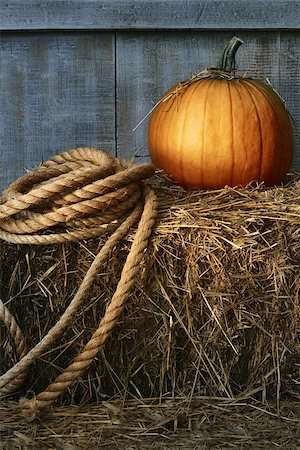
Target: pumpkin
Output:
[{"x": 220, "y": 129}]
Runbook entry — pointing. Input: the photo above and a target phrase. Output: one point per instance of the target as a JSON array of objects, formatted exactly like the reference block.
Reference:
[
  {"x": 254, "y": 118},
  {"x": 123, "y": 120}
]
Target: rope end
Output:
[{"x": 30, "y": 409}]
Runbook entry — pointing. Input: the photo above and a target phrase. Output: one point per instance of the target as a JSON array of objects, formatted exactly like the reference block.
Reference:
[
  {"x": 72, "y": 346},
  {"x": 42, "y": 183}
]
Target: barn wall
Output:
[{"x": 85, "y": 73}]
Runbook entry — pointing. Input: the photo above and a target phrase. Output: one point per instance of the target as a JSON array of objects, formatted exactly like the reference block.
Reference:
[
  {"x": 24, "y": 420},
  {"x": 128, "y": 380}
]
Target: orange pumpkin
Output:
[{"x": 218, "y": 129}]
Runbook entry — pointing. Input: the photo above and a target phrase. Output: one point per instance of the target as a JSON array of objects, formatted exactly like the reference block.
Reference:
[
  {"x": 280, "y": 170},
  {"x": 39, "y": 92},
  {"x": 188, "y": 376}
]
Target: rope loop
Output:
[{"x": 79, "y": 194}]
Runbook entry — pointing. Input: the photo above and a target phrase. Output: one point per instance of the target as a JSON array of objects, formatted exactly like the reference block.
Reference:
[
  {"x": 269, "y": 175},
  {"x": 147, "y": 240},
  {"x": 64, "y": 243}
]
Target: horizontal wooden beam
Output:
[{"x": 149, "y": 14}]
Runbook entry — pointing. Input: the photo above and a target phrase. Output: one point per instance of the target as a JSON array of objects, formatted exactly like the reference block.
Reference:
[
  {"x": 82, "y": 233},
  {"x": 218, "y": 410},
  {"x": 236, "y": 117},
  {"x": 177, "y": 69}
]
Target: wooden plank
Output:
[
  {"x": 289, "y": 84},
  {"x": 148, "y": 64},
  {"x": 149, "y": 14},
  {"x": 258, "y": 55},
  {"x": 57, "y": 91}
]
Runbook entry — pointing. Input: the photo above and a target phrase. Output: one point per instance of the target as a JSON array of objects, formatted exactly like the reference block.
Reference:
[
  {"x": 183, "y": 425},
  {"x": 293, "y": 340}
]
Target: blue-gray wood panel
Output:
[
  {"x": 57, "y": 91},
  {"x": 149, "y": 14},
  {"x": 289, "y": 86},
  {"x": 73, "y": 87}
]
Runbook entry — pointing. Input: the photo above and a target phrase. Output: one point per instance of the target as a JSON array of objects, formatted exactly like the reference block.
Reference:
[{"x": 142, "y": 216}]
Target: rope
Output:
[
  {"x": 79, "y": 194},
  {"x": 20, "y": 343}
]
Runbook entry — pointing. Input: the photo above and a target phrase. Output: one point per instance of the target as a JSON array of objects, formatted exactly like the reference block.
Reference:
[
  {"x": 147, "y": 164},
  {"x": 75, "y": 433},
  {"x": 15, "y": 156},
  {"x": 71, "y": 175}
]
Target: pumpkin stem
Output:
[{"x": 227, "y": 61}]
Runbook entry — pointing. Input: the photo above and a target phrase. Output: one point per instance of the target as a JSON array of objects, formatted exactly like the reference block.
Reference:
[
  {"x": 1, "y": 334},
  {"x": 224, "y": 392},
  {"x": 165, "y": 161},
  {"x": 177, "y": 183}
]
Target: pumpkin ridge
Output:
[
  {"x": 232, "y": 134},
  {"x": 261, "y": 89},
  {"x": 181, "y": 138},
  {"x": 259, "y": 124},
  {"x": 204, "y": 127},
  {"x": 164, "y": 108},
  {"x": 173, "y": 109},
  {"x": 156, "y": 131},
  {"x": 238, "y": 90}
]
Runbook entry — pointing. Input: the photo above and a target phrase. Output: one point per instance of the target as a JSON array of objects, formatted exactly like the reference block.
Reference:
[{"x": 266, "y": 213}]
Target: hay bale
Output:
[{"x": 215, "y": 311}]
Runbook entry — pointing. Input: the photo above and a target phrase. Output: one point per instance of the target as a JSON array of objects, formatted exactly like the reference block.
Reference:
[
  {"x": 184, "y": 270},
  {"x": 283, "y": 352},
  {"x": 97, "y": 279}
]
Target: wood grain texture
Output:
[
  {"x": 149, "y": 14},
  {"x": 289, "y": 82},
  {"x": 259, "y": 55},
  {"x": 57, "y": 91}
]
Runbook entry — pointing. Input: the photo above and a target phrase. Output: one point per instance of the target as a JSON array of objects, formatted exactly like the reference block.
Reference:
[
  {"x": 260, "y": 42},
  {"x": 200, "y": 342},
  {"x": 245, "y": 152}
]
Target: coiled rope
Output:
[{"x": 79, "y": 194}]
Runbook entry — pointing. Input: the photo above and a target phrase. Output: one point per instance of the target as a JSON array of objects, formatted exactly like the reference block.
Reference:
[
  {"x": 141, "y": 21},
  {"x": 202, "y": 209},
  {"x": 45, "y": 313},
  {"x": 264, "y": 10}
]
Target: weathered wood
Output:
[
  {"x": 57, "y": 91},
  {"x": 149, "y": 14},
  {"x": 289, "y": 83},
  {"x": 259, "y": 55}
]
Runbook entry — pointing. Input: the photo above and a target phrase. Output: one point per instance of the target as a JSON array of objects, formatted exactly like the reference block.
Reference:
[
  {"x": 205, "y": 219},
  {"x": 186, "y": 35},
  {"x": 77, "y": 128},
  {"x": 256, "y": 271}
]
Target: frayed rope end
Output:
[{"x": 30, "y": 408}]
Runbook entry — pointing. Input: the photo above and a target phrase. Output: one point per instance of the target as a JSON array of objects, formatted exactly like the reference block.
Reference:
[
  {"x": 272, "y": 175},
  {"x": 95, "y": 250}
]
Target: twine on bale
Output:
[{"x": 80, "y": 194}]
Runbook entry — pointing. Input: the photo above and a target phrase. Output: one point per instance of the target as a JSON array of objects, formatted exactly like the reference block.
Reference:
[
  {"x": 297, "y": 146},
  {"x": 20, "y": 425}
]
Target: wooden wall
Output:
[{"x": 85, "y": 73}]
